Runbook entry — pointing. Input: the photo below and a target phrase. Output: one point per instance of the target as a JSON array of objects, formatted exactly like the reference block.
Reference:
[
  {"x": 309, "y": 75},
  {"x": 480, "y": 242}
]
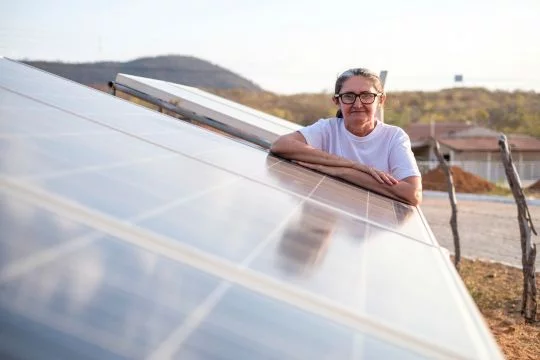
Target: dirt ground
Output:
[
  {"x": 487, "y": 230},
  {"x": 496, "y": 289},
  {"x": 464, "y": 182}
]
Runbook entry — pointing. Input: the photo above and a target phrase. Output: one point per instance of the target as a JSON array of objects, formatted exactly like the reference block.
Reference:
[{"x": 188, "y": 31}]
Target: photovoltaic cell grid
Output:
[
  {"x": 264, "y": 126},
  {"x": 128, "y": 234}
]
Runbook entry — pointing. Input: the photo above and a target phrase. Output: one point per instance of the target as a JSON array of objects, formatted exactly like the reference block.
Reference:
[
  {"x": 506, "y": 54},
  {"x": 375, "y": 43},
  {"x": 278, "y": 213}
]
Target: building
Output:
[{"x": 474, "y": 149}]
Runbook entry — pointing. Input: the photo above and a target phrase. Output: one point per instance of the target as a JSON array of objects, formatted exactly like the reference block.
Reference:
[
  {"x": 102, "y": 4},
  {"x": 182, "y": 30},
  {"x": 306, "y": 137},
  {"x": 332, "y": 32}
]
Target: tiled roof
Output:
[
  {"x": 467, "y": 137},
  {"x": 516, "y": 142},
  {"x": 423, "y": 131}
]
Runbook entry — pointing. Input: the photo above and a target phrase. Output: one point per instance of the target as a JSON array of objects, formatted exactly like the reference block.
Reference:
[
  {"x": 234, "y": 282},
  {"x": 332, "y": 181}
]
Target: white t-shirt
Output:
[{"x": 386, "y": 148}]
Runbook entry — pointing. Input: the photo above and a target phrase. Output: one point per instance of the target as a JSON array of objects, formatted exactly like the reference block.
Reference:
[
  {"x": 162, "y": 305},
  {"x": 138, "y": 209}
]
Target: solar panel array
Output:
[{"x": 125, "y": 233}]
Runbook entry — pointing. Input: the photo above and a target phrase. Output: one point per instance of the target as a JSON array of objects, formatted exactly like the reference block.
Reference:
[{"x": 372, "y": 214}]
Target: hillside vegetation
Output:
[{"x": 510, "y": 112}]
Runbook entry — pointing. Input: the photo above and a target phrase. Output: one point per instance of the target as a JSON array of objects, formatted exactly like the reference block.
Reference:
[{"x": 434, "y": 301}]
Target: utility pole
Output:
[{"x": 380, "y": 110}]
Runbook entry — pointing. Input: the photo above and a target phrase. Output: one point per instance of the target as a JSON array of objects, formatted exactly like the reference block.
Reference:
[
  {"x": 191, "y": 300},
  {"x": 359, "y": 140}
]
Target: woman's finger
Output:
[
  {"x": 389, "y": 179},
  {"x": 386, "y": 179},
  {"x": 392, "y": 179},
  {"x": 375, "y": 175}
]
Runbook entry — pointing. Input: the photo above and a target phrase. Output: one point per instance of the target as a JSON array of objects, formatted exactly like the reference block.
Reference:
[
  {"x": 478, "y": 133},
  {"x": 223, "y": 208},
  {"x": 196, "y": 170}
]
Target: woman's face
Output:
[{"x": 359, "y": 113}]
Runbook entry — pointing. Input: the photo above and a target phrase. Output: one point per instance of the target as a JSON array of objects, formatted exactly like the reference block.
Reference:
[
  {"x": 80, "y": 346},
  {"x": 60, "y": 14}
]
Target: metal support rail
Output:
[{"x": 186, "y": 114}]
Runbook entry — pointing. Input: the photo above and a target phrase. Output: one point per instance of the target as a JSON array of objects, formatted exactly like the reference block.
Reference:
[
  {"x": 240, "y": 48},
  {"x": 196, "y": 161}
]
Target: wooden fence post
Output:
[
  {"x": 453, "y": 202},
  {"x": 528, "y": 248}
]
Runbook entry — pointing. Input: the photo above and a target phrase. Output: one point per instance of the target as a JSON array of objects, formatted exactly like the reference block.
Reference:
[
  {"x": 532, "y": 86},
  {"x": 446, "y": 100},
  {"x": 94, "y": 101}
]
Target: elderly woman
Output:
[{"x": 355, "y": 145}]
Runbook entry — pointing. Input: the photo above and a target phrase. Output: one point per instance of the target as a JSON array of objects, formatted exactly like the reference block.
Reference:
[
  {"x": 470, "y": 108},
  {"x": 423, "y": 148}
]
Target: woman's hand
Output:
[{"x": 381, "y": 176}]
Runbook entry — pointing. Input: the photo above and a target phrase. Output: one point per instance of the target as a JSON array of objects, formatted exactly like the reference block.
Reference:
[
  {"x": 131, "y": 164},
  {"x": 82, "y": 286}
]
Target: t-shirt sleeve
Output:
[
  {"x": 402, "y": 163},
  {"x": 316, "y": 134}
]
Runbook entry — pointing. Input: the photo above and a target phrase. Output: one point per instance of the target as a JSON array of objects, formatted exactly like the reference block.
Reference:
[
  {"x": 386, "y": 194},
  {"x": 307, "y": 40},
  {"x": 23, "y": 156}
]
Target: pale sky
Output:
[{"x": 292, "y": 46}]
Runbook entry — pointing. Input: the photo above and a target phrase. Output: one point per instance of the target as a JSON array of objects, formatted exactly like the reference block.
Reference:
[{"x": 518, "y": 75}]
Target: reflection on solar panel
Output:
[
  {"x": 202, "y": 103},
  {"x": 127, "y": 234}
]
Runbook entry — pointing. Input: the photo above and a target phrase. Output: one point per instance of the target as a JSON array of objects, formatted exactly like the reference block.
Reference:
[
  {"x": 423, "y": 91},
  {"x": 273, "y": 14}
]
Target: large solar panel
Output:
[
  {"x": 239, "y": 117},
  {"x": 127, "y": 234}
]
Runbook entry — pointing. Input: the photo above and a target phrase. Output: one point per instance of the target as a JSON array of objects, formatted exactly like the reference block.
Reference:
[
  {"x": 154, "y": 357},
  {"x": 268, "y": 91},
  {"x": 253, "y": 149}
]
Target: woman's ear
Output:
[
  {"x": 383, "y": 99},
  {"x": 335, "y": 100}
]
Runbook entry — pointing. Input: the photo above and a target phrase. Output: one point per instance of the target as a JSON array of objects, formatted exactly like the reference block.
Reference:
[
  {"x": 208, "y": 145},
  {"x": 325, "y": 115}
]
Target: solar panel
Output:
[
  {"x": 127, "y": 234},
  {"x": 202, "y": 103}
]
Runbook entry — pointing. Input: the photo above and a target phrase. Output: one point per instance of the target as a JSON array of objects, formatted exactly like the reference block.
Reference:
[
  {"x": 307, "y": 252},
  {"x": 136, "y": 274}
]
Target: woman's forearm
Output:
[
  {"x": 296, "y": 150},
  {"x": 403, "y": 190}
]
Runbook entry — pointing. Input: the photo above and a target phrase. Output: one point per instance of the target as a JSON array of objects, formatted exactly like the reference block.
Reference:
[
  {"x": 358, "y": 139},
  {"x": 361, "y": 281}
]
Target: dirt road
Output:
[{"x": 488, "y": 230}]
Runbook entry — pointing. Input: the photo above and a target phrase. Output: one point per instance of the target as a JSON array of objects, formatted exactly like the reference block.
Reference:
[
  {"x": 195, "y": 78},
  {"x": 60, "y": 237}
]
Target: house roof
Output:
[
  {"x": 418, "y": 132},
  {"x": 474, "y": 131},
  {"x": 516, "y": 143},
  {"x": 467, "y": 137}
]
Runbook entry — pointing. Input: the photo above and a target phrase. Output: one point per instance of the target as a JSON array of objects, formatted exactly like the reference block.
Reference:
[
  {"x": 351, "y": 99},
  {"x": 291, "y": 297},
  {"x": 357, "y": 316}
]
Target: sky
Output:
[{"x": 294, "y": 46}]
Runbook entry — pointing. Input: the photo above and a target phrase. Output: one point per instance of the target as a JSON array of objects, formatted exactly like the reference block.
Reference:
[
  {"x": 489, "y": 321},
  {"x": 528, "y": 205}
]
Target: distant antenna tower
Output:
[
  {"x": 458, "y": 80},
  {"x": 380, "y": 111}
]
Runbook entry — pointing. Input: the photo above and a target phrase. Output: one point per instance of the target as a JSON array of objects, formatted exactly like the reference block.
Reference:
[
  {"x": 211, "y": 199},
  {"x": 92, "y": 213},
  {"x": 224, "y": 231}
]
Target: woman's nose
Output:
[{"x": 357, "y": 103}]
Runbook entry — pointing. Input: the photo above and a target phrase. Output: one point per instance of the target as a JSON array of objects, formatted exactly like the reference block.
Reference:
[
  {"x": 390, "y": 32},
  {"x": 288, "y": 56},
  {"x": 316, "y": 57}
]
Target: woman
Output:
[{"x": 354, "y": 145}]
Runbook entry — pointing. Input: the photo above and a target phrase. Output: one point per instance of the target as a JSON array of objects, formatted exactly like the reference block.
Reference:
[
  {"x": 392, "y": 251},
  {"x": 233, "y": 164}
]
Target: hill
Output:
[{"x": 185, "y": 70}]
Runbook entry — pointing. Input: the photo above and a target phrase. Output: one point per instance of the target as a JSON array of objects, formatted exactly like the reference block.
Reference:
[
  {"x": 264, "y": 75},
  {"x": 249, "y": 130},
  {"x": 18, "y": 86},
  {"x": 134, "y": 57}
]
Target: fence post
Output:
[
  {"x": 528, "y": 248},
  {"x": 453, "y": 202}
]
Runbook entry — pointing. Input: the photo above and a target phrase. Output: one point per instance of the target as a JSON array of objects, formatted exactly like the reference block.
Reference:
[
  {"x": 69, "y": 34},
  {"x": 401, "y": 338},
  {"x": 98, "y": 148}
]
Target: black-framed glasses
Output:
[{"x": 365, "y": 97}]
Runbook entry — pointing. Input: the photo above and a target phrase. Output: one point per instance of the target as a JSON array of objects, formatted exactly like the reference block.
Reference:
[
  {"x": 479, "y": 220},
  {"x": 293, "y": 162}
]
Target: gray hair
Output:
[{"x": 377, "y": 84}]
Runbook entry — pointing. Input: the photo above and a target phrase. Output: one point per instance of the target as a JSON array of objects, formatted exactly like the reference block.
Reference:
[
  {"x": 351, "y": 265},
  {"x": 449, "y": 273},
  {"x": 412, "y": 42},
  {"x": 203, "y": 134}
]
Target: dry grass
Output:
[{"x": 496, "y": 289}]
